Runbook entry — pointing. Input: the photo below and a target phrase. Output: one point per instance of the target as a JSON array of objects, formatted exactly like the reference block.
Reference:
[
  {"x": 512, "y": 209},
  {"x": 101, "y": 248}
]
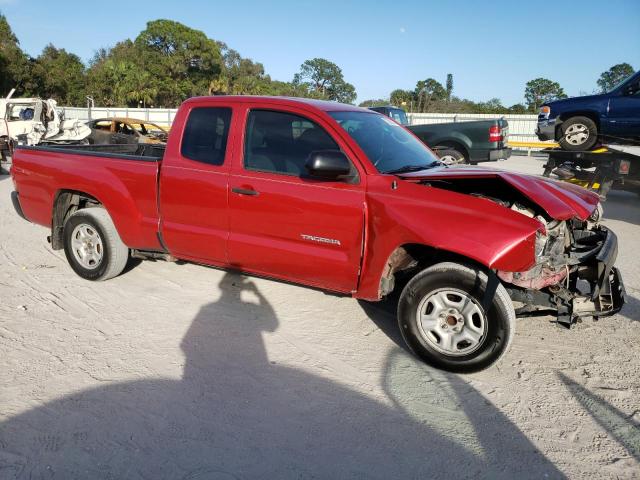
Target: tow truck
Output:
[{"x": 598, "y": 170}]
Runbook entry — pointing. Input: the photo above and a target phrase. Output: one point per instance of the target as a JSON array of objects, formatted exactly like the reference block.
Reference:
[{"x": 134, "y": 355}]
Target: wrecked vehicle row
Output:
[
  {"x": 339, "y": 198},
  {"x": 122, "y": 130},
  {"x": 33, "y": 121}
]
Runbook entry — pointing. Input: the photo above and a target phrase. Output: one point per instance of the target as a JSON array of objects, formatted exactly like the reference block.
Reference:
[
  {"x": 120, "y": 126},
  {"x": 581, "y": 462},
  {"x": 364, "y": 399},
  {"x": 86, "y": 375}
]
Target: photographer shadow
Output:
[{"x": 236, "y": 414}]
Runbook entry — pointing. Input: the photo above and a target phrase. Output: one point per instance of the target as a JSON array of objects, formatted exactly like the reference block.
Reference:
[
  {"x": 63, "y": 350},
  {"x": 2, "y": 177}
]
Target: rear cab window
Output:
[{"x": 205, "y": 135}]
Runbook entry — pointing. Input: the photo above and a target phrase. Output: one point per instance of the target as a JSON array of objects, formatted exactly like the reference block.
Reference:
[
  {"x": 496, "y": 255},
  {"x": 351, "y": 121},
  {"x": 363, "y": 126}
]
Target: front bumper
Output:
[
  {"x": 499, "y": 154},
  {"x": 591, "y": 263},
  {"x": 608, "y": 293},
  {"x": 489, "y": 155},
  {"x": 546, "y": 129}
]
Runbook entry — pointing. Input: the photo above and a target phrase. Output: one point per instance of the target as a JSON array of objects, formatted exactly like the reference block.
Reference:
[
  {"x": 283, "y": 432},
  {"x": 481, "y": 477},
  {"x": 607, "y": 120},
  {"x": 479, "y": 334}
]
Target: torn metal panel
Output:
[
  {"x": 125, "y": 130},
  {"x": 33, "y": 121}
]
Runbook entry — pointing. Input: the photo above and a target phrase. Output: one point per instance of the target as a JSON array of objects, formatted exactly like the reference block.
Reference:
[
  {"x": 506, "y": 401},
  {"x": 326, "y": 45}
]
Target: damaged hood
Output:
[{"x": 560, "y": 200}]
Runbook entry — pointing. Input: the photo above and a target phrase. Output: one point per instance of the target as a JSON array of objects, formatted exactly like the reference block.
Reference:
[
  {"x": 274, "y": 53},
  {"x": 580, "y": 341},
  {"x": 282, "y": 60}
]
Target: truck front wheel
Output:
[
  {"x": 578, "y": 133},
  {"x": 92, "y": 245},
  {"x": 456, "y": 318}
]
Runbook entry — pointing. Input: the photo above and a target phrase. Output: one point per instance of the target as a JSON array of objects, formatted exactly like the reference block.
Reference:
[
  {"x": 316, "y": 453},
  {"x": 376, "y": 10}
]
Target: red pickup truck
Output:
[{"x": 340, "y": 198}]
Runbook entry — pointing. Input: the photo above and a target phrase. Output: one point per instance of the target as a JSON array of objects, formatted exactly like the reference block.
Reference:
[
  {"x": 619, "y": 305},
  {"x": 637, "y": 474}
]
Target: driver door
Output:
[
  {"x": 624, "y": 116},
  {"x": 282, "y": 222}
]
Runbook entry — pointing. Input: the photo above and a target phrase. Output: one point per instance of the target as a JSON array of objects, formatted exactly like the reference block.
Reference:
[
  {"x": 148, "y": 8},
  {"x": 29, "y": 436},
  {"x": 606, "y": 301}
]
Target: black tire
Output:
[
  {"x": 489, "y": 297},
  {"x": 451, "y": 156},
  {"x": 573, "y": 131},
  {"x": 114, "y": 254}
]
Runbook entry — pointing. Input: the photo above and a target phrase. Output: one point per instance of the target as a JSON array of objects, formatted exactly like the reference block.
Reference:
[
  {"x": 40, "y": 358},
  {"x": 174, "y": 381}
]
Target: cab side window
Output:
[
  {"x": 205, "y": 135},
  {"x": 281, "y": 142}
]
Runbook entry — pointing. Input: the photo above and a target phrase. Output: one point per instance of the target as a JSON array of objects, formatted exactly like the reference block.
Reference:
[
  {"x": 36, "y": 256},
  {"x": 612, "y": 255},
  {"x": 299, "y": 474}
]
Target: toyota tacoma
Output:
[{"x": 340, "y": 198}]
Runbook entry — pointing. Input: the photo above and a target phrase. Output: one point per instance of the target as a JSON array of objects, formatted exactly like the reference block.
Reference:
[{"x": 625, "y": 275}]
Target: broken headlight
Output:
[
  {"x": 541, "y": 242},
  {"x": 596, "y": 215}
]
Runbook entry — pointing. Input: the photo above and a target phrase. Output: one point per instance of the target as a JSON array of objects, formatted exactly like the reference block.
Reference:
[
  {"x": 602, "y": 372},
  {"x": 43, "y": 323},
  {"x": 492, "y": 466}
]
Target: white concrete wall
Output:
[
  {"x": 521, "y": 127},
  {"x": 161, "y": 116}
]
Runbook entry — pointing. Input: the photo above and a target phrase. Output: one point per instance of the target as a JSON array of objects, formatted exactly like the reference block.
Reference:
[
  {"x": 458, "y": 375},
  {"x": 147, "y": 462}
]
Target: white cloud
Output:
[{"x": 402, "y": 29}]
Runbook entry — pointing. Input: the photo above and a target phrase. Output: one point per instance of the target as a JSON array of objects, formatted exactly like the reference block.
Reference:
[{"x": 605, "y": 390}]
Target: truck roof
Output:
[{"x": 323, "y": 105}]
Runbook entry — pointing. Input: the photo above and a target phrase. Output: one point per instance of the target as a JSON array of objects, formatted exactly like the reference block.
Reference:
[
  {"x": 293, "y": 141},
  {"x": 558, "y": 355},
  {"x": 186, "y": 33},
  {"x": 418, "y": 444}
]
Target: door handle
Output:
[{"x": 245, "y": 191}]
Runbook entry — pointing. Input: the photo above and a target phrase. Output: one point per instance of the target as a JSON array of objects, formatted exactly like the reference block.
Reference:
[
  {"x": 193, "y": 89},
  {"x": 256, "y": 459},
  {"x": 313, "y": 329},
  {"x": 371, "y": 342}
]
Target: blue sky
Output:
[{"x": 492, "y": 48}]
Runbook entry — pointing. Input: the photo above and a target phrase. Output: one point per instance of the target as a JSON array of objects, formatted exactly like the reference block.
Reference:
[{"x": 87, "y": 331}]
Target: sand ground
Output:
[{"x": 182, "y": 371}]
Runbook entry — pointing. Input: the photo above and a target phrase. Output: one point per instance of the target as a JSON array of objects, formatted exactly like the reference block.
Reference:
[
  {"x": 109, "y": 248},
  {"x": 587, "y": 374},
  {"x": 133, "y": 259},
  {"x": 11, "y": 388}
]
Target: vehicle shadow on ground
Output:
[
  {"x": 449, "y": 405},
  {"x": 631, "y": 308},
  {"x": 624, "y": 206},
  {"x": 621, "y": 427},
  {"x": 236, "y": 414}
]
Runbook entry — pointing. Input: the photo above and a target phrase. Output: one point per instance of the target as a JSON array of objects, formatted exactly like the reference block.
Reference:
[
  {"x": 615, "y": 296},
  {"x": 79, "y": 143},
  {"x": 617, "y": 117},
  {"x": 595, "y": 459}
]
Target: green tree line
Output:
[
  {"x": 164, "y": 65},
  {"x": 169, "y": 62},
  {"x": 431, "y": 96}
]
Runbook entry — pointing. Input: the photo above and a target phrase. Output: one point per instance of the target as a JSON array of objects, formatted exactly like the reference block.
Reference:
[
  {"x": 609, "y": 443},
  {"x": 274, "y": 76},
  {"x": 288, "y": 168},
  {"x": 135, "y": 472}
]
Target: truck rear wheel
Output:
[
  {"x": 92, "y": 245},
  {"x": 578, "y": 133},
  {"x": 455, "y": 318},
  {"x": 451, "y": 156}
]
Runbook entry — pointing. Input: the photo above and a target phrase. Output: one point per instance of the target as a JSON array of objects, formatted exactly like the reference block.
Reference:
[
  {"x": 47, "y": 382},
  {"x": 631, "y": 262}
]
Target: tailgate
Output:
[{"x": 504, "y": 131}]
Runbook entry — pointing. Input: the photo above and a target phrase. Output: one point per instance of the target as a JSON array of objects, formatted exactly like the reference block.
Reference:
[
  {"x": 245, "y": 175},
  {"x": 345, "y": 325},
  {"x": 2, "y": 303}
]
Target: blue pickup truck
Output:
[{"x": 580, "y": 123}]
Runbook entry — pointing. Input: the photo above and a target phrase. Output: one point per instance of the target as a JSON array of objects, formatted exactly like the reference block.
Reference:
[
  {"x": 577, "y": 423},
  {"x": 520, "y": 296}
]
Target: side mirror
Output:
[{"x": 328, "y": 164}]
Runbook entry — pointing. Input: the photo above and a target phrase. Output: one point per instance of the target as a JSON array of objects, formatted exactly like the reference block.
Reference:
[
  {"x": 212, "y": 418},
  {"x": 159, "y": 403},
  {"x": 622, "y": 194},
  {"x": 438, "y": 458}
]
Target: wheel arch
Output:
[
  {"x": 415, "y": 257},
  {"x": 65, "y": 203},
  {"x": 455, "y": 144}
]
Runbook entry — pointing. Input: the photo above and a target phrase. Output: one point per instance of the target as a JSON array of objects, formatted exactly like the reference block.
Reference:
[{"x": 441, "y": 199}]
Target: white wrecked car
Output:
[{"x": 33, "y": 121}]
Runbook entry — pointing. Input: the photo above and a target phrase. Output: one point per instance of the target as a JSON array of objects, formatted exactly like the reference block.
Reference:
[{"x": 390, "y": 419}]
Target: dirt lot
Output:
[{"x": 180, "y": 371}]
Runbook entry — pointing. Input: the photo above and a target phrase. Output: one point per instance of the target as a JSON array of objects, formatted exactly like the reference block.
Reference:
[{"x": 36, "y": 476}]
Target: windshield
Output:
[
  {"x": 389, "y": 146},
  {"x": 399, "y": 116},
  {"x": 619, "y": 84}
]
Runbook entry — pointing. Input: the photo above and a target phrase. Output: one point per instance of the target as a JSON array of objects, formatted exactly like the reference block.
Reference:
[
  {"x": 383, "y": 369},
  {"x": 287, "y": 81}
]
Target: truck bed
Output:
[
  {"x": 123, "y": 178},
  {"x": 140, "y": 151},
  {"x": 472, "y": 138}
]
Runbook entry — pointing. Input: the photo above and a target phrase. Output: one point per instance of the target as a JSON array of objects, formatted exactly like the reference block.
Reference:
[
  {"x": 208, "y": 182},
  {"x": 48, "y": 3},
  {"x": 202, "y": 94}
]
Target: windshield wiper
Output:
[{"x": 412, "y": 168}]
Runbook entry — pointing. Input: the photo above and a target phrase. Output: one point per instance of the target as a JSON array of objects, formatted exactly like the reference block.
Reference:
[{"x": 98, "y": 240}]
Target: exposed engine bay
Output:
[{"x": 573, "y": 274}]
